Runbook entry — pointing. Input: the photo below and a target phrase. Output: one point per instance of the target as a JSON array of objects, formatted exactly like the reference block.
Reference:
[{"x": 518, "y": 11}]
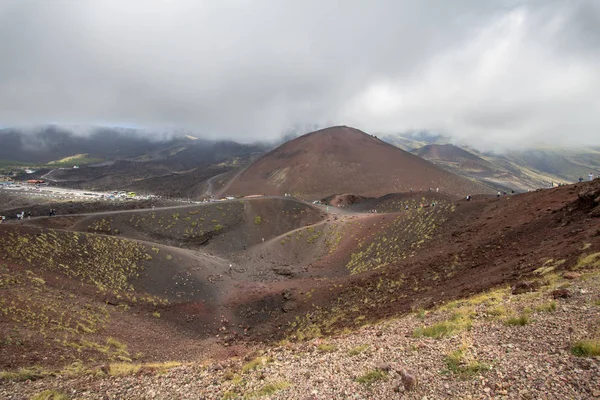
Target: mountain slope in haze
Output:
[
  {"x": 519, "y": 170},
  {"x": 463, "y": 162},
  {"x": 206, "y": 152},
  {"x": 522, "y": 169},
  {"x": 566, "y": 164},
  {"x": 412, "y": 141},
  {"x": 54, "y": 142},
  {"x": 344, "y": 160}
]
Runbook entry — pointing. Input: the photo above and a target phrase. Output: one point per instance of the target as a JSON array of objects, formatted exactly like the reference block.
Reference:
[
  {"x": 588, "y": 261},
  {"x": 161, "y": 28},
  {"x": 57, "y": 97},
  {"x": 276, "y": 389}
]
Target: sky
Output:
[{"x": 486, "y": 73}]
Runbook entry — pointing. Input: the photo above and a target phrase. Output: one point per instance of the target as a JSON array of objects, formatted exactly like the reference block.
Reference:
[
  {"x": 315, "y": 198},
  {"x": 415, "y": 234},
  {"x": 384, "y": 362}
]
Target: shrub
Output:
[
  {"x": 267, "y": 390},
  {"x": 326, "y": 348},
  {"x": 520, "y": 320},
  {"x": 257, "y": 220},
  {"x": 24, "y": 374},
  {"x": 546, "y": 307},
  {"x": 458, "y": 322},
  {"x": 371, "y": 377},
  {"x": 49, "y": 395},
  {"x": 256, "y": 363},
  {"x": 462, "y": 362},
  {"x": 357, "y": 350},
  {"x": 586, "y": 348}
]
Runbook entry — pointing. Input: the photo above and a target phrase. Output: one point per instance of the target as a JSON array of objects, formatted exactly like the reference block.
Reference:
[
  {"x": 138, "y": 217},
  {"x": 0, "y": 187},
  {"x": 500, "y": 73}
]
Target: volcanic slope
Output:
[
  {"x": 497, "y": 171},
  {"x": 344, "y": 160},
  {"x": 108, "y": 286},
  {"x": 204, "y": 278}
]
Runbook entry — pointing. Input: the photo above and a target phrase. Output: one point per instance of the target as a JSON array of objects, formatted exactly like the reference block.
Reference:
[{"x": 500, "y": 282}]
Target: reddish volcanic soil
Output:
[
  {"x": 300, "y": 279},
  {"x": 344, "y": 160}
]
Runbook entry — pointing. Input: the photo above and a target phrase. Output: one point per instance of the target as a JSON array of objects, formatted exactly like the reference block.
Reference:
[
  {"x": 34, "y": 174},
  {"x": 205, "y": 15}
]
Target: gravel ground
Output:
[{"x": 533, "y": 361}]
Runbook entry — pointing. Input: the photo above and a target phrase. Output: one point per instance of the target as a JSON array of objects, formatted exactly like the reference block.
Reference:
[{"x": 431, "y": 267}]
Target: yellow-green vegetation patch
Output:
[
  {"x": 45, "y": 309},
  {"x": 518, "y": 320},
  {"x": 546, "y": 307},
  {"x": 23, "y": 374},
  {"x": 50, "y": 395},
  {"x": 358, "y": 350},
  {"x": 257, "y": 363},
  {"x": 257, "y": 220},
  {"x": 326, "y": 348},
  {"x": 586, "y": 348},
  {"x": 421, "y": 313},
  {"x": 123, "y": 369},
  {"x": 105, "y": 261},
  {"x": 490, "y": 298},
  {"x": 588, "y": 261},
  {"x": 113, "y": 349},
  {"x": 102, "y": 226},
  {"x": 460, "y": 321},
  {"x": 398, "y": 240},
  {"x": 549, "y": 266},
  {"x": 268, "y": 390},
  {"x": 333, "y": 237},
  {"x": 463, "y": 363},
  {"x": 372, "y": 376},
  {"x": 229, "y": 395}
]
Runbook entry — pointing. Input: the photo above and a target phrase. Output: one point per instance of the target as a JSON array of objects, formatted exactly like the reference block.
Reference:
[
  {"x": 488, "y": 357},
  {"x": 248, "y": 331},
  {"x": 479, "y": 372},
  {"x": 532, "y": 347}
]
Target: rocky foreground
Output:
[{"x": 542, "y": 343}]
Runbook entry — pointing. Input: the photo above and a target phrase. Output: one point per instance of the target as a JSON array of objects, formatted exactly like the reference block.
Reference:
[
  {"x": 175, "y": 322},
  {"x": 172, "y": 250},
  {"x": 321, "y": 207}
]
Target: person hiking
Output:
[
  {"x": 591, "y": 176},
  {"x": 581, "y": 179}
]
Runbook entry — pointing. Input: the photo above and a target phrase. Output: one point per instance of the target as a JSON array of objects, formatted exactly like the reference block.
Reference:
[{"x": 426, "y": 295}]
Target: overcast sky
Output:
[{"x": 508, "y": 72}]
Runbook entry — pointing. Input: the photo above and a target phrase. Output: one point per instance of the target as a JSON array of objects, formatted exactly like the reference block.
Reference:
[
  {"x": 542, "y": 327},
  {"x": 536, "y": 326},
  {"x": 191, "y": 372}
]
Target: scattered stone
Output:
[
  {"x": 525, "y": 287},
  {"x": 561, "y": 293},
  {"x": 284, "y": 271},
  {"x": 408, "y": 380},
  {"x": 105, "y": 368},
  {"x": 571, "y": 275},
  {"x": 287, "y": 294},
  {"x": 588, "y": 194},
  {"x": 383, "y": 366}
]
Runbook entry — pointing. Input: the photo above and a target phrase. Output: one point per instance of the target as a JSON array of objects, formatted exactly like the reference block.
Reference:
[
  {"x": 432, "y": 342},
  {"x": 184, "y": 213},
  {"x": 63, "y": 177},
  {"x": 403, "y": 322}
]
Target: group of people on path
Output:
[
  {"x": 26, "y": 215},
  {"x": 21, "y": 215},
  {"x": 590, "y": 177}
]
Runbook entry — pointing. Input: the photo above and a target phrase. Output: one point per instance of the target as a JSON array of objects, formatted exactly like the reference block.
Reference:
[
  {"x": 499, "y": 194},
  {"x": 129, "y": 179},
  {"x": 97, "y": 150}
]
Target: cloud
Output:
[{"x": 506, "y": 72}]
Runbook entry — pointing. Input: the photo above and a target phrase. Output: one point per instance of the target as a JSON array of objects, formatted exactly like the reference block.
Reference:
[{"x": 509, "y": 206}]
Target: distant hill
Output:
[
  {"x": 467, "y": 163},
  {"x": 52, "y": 142},
  {"x": 412, "y": 141},
  {"x": 446, "y": 152},
  {"x": 344, "y": 160},
  {"x": 520, "y": 170}
]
